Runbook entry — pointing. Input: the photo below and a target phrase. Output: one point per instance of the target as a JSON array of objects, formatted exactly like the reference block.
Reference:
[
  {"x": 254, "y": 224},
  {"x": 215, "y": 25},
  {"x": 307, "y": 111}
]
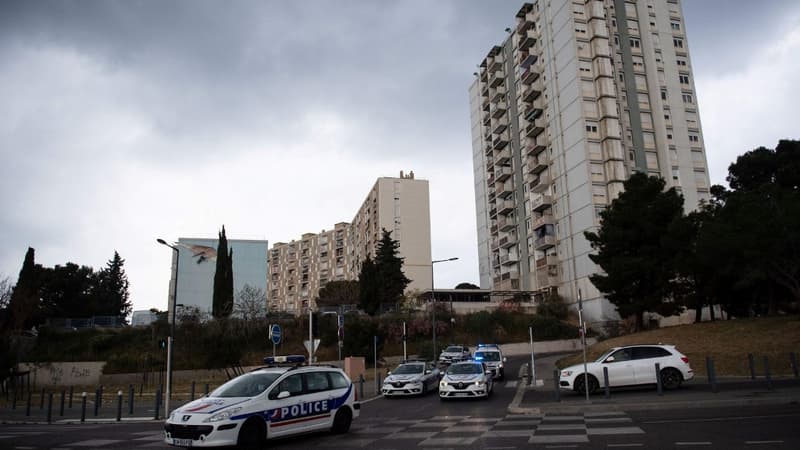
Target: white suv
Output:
[
  {"x": 628, "y": 366},
  {"x": 265, "y": 403}
]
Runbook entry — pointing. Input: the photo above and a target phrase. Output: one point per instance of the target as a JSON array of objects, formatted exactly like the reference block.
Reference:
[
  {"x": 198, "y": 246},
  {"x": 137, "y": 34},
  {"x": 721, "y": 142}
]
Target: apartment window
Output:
[
  {"x": 681, "y": 62},
  {"x": 663, "y": 94},
  {"x": 666, "y": 117},
  {"x": 635, "y": 43},
  {"x": 694, "y": 138},
  {"x": 591, "y": 128},
  {"x": 678, "y": 43},
  {"x": 652, "y": 24},
  {"x": 687, "y": 98},
  {"x": 669, "y": 136},
  {"x": 684, "y": 79},
  {"x": 676, "y": 175}
]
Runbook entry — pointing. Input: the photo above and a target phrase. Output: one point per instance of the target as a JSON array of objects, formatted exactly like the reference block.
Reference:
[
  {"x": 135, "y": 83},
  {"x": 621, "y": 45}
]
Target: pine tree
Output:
[
  {"x": 392, "y": 280},
  {"x": 112, "y": 297},
  {"x": 369, "y": 287},
  {"x": 222, "y": 301},
  {"x": 24, "y": 304}
]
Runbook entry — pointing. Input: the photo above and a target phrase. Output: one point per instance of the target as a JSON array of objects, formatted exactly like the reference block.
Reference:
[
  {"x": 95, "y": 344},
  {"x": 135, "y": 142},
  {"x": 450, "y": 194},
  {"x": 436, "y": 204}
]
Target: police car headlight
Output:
[
  {"x": 566, "y": 373},
  {"x": 479, "y": 383},
  {"x": 171, "y": 415},
  {"x": 500, "y": 366},
  {"x": 224, "y": 415},
  {"x": 442, "y": 384}
]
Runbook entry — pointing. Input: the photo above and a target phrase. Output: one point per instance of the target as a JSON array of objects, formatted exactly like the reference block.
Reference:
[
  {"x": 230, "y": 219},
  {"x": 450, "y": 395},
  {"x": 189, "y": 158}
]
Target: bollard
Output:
[
  {"x": 100, "y": 399},
  {"x": 712, "y": 374},
  {"x": 206, "y": 390},
  {"x": 752, "y": 363},
  {"x": 605, "y": 380},
  {"x": 767, "y": 374},
  {"x": 50, "y": 407},
  {"x": 361, "y": 387},
  {"x": 141, "y": 389},
  {"x": 61, "y": 408},
  {"x": 793, "y": 362},
  {"x": 119, "y": 405},
  {"x": 70, "y": 397},
  {"x": 377, "y": 385},
  {"x": 659, "y": 387},
  {"x": 14, "y": 400},
  {"x": 131, "y": 391},
  {"x": 28, "y": 406},
  {"x": 158, "y": 402},
  {"x": 41, "y": 403},
  {"x": 192, "y": 396},
  {"x": 97, "y": 395},
  {"x": 557, "y": 388},
  {"x": 83, "y": 407}
]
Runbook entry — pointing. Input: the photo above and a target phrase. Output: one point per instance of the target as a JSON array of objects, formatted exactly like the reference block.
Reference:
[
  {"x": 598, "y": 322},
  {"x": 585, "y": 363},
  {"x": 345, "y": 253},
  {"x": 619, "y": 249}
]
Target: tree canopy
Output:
[
  {"x": 382, "y": 281},
  {"x": 633, "y": 248},
  {"x": 340, "y": 292}
]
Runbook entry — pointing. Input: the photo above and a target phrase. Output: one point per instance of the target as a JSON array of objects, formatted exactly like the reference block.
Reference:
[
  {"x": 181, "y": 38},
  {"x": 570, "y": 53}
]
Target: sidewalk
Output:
[{"x": 696, "y": 393}]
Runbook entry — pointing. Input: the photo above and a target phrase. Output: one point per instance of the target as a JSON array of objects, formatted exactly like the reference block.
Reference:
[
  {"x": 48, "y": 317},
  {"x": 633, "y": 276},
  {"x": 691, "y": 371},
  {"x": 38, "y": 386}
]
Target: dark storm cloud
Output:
[{"x": 206, "y": 72}]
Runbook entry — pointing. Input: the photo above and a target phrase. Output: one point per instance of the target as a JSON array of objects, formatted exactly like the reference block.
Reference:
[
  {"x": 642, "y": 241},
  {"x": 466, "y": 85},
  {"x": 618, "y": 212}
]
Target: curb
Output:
[{"x": 598, "y": 407}]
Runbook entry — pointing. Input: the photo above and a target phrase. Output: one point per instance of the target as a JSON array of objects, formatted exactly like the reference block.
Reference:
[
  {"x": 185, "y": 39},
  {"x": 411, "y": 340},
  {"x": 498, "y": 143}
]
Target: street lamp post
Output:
[
  {"x": 171, "y": 337},
  {"x": 433, "y": 302}
]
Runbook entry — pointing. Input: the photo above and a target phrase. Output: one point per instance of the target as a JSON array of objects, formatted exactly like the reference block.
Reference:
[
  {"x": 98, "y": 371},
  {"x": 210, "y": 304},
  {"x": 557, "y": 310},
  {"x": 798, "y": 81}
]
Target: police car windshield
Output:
[
  {"x": 452, "y": 349},
  {"x": 408, "y": 369},
  {"x": 464, "y": 369},
  {"x": 488, "y": 356},
  {"x": 248, "y": 385}
]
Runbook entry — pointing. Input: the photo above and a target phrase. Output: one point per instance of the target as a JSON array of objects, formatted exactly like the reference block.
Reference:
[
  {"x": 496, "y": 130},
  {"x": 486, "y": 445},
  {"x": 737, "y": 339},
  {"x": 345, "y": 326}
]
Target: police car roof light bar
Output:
[{"x": 288, "y": 359}]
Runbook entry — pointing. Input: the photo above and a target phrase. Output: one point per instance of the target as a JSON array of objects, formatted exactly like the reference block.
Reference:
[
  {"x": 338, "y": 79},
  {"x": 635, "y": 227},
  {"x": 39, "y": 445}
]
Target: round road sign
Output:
[{"x": 275, "y": 333}]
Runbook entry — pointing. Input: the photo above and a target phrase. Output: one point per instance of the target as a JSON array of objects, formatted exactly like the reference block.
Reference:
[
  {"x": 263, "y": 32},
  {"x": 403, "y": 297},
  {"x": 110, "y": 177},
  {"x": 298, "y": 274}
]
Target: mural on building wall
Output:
[{"x": 201, "y": 252}]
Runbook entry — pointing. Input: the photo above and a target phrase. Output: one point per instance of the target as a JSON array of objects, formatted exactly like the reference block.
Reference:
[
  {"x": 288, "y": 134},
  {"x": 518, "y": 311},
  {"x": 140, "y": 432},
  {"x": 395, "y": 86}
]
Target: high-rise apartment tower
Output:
[{"x": 579, "y": 95}]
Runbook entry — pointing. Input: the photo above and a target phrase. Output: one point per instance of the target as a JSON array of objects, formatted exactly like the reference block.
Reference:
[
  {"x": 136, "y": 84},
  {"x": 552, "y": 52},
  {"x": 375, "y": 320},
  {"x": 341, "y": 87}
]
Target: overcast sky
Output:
[{"x": 122, "y": 122}]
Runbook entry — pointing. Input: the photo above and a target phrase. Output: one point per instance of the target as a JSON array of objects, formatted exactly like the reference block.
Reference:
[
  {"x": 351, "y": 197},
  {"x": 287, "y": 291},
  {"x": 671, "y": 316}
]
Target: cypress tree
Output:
[
  {"x": 24, "y": 304},
  {"x": 222, "y": 301}
]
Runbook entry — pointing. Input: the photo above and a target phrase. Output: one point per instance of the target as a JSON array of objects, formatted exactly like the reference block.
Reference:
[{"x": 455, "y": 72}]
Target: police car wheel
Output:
[
  {"x": 252, "y": 435},
  {"x": 342, "y": 420}
]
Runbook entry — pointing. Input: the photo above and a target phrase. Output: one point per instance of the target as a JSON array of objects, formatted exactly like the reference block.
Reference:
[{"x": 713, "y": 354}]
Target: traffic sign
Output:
[
  {"x": 275, "y": 333},
  {"x": 307, "y": 344}
]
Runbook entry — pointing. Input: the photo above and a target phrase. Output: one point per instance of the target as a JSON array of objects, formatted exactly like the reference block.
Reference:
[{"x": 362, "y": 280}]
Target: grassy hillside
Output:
[{"x": 728, "y": 342}]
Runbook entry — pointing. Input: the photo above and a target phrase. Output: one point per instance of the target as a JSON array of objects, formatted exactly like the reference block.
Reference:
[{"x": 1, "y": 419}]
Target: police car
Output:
[
  {"x": 466, "y": 379},
  {"x": 453, "y": 353},
  {"x": 268, "y": 402},
  {"x": 412, "y": 377},
  {"x": 491, "y": 355}
]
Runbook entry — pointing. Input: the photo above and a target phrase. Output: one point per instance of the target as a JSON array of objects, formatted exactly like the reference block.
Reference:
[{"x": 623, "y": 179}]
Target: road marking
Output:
[
  {"x": 614, "y": 430},
  {"x": 626, "y": 445},
  {"x": 94, "y": 443},
  {"x": 562, "y": 427},
  {"x": 762, "y": 442},
  {"x": 693, "y": 443},
  {"x": 447, "y": 442},
  {"x": 559, "y": 439},
  {"x": 718, "y": 419}
]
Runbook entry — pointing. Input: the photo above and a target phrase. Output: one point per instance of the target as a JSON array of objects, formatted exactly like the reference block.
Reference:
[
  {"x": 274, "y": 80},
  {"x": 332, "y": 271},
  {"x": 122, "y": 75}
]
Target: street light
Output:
[
  {"x": 171, "y": 337},
  {"x": 433, "y": 301}
]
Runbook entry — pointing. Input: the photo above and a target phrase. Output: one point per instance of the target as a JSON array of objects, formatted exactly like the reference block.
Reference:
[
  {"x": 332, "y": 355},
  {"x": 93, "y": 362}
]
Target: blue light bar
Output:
[
  {"x": 288, "y": 359},
  {"x": 488, "y": 346}
]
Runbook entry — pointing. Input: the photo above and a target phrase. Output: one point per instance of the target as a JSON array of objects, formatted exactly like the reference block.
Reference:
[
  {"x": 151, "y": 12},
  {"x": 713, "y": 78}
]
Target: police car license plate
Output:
[{"x": 182, "y": 442}]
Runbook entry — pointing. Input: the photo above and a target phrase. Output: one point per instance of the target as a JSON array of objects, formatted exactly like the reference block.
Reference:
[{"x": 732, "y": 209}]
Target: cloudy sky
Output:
[{"x": 123, "y": 122}]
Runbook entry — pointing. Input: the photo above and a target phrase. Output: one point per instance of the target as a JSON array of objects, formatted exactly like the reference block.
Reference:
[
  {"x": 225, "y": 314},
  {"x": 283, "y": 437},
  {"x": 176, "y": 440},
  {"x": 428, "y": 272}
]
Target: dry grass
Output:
[{"x": 728, "y": 342}]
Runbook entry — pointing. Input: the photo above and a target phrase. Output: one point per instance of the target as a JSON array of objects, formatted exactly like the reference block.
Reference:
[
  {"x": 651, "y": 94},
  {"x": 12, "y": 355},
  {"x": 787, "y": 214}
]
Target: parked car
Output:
[
  {"x": 453, "y": 353},
  {"x": 466, "y": 379},
  {"x": 411, "y": 378},
  {"x": 491, "y": 355},
  {"x": 265, "y": 403},
  {"x": 629, "y": 366}
]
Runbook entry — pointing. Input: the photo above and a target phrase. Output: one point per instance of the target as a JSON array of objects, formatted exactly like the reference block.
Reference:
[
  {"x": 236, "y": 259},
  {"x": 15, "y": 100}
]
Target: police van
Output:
[
  {"x": 282, "y": 399},
  {"x": 492, "y": 356}
]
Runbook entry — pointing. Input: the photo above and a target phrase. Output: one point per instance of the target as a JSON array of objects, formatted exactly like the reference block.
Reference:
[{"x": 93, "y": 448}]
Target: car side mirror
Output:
[
  {"x": 505, "y": 359},
  {"x": 609, "y": 359},
  {"x": 428, "y": 371},
  {"x": 284, "y": 394},
  {"x": 488, "y": 372},
  {"x": 388, "y": 372}
]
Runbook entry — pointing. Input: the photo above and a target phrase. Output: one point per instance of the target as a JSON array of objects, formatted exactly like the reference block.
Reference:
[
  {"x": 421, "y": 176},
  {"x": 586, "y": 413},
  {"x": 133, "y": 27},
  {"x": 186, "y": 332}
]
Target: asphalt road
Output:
[{"x": 429, "y": 423}]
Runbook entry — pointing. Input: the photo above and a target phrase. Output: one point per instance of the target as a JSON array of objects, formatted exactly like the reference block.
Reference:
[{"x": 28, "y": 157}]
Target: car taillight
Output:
[{"x": 685, "y": 359}]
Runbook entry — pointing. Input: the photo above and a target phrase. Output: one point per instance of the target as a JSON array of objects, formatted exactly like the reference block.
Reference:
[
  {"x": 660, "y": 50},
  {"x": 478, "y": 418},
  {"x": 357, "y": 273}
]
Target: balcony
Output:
[
  {"x": 506, "y": 223},
  {"x": 502, "y": 157},
  {"x": 499, "y": 125},
  {"x": 503, "y": 190},
  {"x": 505, "y": 207},
  {"x": 509, "y": 259},
  {"x": 527, "y": 59},
  {"x": 544, "y": 242},
  {"x": 495, "y": 245},
  {"x": 503, "y": 173},
  {"x": 495, "y": 63},
  {"x": 485, "y": 91},
  {"x": 530, "y": 75},
  {"x": 534, "y": 129},
  {"x": 493, "y": 212},
  {"x": 542, "y": 202},
  {"x": 549, "y": 260},
  {"x": 533, "y": 112},
  {"x": 541, "y": 183},
  {"x": 493, "y": 229},
  {"x": 508, "y": 241},
  {"x": 535, "y": 146},
  {"x": 497, "y": 110},
  {"x": 538, "y": 164},
  {"x": 528, "y": 38},
  {"x": 499, "y": 95},
  {"x": 523, "y": 24},
  {"x": 500, "y": 141},
  {"x": 496, "y": 78},
  {"x": 532, "y": 92}
]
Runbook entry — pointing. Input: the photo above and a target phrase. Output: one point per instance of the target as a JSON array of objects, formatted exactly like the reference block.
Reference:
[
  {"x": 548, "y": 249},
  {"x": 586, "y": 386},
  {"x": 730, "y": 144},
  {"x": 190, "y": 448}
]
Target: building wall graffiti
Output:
[{"x": 64, "y": 373}]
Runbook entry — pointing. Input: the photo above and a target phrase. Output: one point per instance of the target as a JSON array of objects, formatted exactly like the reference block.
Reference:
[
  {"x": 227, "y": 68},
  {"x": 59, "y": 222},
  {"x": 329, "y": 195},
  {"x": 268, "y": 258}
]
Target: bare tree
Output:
[
  {"x": 250, "y": 304},
  {"x": 6, "y": 287}
]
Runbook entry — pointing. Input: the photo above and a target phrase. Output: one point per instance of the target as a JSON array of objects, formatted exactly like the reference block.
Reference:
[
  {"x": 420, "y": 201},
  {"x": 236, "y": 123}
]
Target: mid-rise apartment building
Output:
[
  {"x": 300, "y": 268},
  {"x": 579, "y": 95}
]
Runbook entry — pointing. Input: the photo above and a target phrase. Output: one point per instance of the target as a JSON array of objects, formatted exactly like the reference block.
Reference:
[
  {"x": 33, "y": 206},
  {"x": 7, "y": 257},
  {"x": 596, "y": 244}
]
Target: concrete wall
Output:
[
  {"x": 64, "y": 373},
  {"x": 524, "y": 348}
]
